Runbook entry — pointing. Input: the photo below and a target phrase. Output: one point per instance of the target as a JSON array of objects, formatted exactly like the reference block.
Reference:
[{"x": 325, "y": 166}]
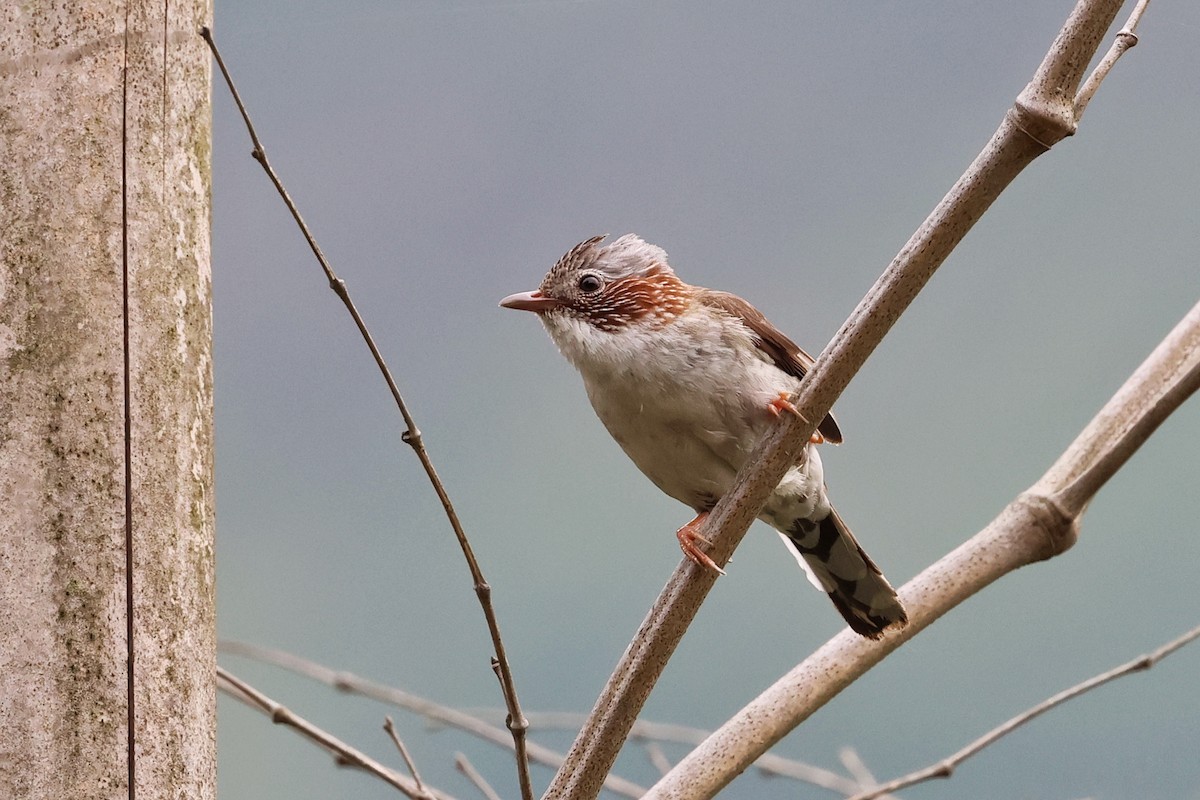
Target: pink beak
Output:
[{"x": 530, "y": 301}]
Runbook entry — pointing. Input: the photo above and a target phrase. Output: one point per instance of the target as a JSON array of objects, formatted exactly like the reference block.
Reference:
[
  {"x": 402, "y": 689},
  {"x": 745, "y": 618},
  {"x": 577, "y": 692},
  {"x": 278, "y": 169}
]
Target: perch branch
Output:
[
  {"x": 1038, "y": 119},
  {"x": 517, "y": 724},
  {"x": 1036, "y": 525}
]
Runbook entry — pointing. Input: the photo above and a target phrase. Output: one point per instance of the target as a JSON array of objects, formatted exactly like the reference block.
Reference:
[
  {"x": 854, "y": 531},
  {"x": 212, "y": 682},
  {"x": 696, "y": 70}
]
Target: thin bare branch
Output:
[
  {"x": 857, "y": 768},
  {"x": 1036, "y": 121},
  {"x": 390, "y": 727},
  {"x": 350, "y": 683},
  {"x": 517, "y": 724},
  {"x": 657, "y": 757},
  {"x": 1125, "y": 39},
  {"x": 467, "y": 768},
  {"x": 344, "y": 754},
  {"x": 945, "y": 768}
]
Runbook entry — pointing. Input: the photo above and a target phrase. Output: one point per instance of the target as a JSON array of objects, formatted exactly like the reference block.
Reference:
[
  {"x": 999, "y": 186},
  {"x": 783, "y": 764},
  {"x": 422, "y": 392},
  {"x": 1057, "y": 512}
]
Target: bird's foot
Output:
[
  {"x": 782, "y": 403},
  {"x": 688, "y": 538}
]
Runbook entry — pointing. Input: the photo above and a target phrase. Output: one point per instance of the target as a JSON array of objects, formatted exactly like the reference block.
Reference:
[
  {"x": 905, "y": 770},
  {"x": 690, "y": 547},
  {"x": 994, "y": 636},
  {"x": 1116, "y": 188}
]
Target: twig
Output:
[
  {"x": 517, "y": 724},
  {"x": 945, "y": 768},
  {"x": 353, "y": 684},
  {"x": 467, "y": 768},
  {"x": 657, "y": 757},
  {"x": 1038, "y": 119},
  {"x": 390, "y": 727},
  {"x": 1125, "y": 39},
  {"x": 342, "y": 752},
  {"x": 857, "y": 768}
]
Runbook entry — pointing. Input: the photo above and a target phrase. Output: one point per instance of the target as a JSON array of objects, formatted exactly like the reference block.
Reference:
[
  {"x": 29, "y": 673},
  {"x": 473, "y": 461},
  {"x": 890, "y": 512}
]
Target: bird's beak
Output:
[{"x": 530, "y": 301}]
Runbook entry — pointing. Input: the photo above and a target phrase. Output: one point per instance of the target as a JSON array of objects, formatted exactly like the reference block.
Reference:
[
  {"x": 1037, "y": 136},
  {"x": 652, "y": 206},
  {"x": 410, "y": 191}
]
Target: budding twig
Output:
[
  {"x": 344, "y": 754},
  {"x": 411, "y": 436}
]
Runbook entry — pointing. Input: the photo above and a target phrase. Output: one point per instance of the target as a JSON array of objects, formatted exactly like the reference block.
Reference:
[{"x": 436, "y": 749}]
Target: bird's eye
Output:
[{"x": 589, "y": 284}]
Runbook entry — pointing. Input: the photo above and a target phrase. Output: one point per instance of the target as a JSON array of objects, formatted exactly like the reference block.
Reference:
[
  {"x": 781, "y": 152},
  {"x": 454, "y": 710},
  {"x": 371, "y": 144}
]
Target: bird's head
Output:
[{"x": 624, "y": 285}]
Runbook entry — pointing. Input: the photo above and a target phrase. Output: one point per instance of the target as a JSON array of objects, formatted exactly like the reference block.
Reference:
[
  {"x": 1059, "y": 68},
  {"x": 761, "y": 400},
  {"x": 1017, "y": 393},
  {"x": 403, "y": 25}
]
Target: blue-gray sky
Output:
[{"x": 446, "y": 153}]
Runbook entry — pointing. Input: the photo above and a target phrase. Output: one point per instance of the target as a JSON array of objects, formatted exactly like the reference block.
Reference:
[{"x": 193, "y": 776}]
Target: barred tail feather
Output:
[{"x": 843, "y": 570}]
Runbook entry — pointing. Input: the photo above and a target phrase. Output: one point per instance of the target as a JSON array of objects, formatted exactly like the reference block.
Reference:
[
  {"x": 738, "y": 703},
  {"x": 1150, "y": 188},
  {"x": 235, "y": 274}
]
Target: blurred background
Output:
[{"x": 447, "y": 152}]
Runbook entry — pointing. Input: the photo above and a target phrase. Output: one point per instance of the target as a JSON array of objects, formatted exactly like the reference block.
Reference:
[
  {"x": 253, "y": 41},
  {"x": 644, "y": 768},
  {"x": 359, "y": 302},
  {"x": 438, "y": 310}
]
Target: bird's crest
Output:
[{"x": 626, "y": 256}]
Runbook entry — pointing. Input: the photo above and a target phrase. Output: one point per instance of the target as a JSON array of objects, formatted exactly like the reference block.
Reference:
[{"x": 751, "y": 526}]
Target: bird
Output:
[{"x": 687, "y": 380}]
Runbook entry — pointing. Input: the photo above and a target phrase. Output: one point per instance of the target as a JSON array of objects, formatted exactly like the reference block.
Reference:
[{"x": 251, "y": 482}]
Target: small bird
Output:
[{"x": 687, "y": 380}]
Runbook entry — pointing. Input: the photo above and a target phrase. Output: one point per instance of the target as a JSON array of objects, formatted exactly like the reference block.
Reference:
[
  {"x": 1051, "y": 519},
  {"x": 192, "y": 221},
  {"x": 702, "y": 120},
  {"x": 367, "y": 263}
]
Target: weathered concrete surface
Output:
[{"x": 104, "y": 219}]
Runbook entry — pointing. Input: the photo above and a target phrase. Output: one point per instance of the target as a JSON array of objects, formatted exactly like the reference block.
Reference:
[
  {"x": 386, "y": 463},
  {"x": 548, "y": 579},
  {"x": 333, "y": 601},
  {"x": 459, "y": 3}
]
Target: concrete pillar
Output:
[{"x": 107, "y": 634}]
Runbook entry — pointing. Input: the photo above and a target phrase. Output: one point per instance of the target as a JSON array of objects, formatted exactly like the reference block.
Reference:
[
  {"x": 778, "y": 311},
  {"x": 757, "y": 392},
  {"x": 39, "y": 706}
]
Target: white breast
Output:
[{"x": 687, "y": 402}]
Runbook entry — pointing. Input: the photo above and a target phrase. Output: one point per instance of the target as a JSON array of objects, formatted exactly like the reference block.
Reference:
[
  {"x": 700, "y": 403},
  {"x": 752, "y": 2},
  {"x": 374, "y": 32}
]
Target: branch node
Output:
[
  {"x": 1059, "y": 528},
  {"x": 1044, "y": 120},
  {"x": 1127, "y": 38}
]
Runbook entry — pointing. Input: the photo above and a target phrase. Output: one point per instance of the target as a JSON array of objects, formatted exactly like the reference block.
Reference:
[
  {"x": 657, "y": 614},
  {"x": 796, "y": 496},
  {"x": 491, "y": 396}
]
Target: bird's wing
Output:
[{"x": 786, "y": 354}]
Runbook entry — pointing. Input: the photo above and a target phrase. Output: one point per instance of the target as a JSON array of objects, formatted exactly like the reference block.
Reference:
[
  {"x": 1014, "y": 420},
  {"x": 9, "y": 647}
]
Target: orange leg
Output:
[
  {"x": 688, "y": 538},
  {"x": 782, "y": 403}
]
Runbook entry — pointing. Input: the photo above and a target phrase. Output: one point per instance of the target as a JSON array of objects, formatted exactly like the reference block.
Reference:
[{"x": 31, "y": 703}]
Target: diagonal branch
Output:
[
  {"x": 350, "y": 683},
  {"x": 342, "y": 752},
  {"x": 945, "y": 768},
  {"x": 467, "y": 768},
  {"x": 517, "y": 723},
  {"x": 1038, "y": 119},
  {"x": 1033, "y": 527},
  {"x": 389, "y": 727},
  {"x": 768, "y": 764}
]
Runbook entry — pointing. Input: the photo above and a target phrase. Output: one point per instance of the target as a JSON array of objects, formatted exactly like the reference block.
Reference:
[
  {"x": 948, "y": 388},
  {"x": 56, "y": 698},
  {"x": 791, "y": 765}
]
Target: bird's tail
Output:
[{"x": 835, "y": 561}]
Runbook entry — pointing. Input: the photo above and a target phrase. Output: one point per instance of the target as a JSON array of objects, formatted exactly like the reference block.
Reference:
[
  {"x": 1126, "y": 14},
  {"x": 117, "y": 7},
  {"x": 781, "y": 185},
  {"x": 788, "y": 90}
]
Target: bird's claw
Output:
[
  {"x": 782, "y": 403},
  {"x": 688, "y": 538}
]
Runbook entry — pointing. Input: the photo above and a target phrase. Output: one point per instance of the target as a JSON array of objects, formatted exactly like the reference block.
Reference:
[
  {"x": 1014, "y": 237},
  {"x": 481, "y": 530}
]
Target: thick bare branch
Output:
[
  {"x": 1160, "y": 385},
  {"x": 945, "y": 768},
  {"x": 1038, "y": 119},
  {"x": 1033, "y": 527},
  {"x": 769, "y": 764},
  {"x": 411, "y": 436},
  {"x": 344, "y": 754}
]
